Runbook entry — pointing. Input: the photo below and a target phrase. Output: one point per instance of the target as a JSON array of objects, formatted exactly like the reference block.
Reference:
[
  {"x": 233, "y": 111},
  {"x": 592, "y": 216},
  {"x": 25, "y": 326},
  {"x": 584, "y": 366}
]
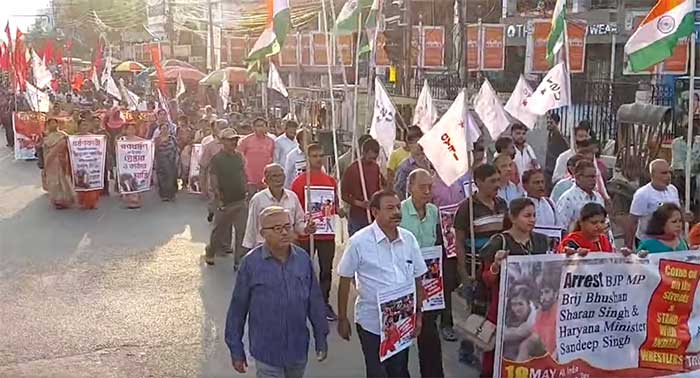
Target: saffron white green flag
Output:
[
  {"x": 348, "y": 18},
  {"x": 425, "y": 114},
  {"x": 488, "y": 106},
  {"x": 448, "y": 144},
  {"x": 272, "y": 38},
  {"x": 274, "y": 81},
  {"x": 555, "y": 39},
  {"x": 659, "y": 33},
  {"x": 516, "y": 103},
  {"x": 181, "y": 89},
  {"x": 552, "y": 93},
  {"x": 383, "y": 127}
]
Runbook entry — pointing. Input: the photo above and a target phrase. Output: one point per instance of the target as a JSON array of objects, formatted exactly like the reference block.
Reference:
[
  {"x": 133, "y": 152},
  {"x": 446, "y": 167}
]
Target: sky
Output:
[{"x": 11, "y": 8}]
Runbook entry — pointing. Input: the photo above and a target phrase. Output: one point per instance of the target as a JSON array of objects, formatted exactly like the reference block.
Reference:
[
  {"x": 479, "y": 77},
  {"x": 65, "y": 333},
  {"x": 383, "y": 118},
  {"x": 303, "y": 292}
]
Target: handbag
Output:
[{"x": 481, "y": 332}]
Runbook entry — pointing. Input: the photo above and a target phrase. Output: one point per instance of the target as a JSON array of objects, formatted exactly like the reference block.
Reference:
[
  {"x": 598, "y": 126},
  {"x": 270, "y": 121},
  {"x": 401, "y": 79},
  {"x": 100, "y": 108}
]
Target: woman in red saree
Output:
[{"x": 56, "y": 176}]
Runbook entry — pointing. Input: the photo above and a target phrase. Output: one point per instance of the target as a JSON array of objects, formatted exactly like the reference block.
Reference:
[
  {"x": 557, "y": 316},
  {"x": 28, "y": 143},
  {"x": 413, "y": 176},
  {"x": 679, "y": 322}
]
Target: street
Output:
[{"x": 124, "y": 293}]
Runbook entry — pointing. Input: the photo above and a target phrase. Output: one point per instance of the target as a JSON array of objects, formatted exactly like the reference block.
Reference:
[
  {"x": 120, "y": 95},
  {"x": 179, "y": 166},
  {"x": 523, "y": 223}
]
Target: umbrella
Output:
[
  {"x": 130, "y": 66},
  {"x": 188, "y": 74},
  {"x": 236, "y": 75},
  {"x": 177, "y": 63}
]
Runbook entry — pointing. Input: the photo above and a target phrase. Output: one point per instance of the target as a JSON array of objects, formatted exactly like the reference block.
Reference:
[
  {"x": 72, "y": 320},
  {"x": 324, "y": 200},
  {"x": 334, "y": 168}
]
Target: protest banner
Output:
[
  {"x": 447, "y": 220},
  {"x": 322, "y": 207},
  {"x": 492, "y": 47},
  {"x": 433, "y": 283},
  {"x": 603, "y": 315},
  {"x": 397, "y": 314},
  {"x": 29, "y": 127},
  {"x": 134, "y": 165},
  {"x": 87, "y": 160},
  {"x": 194, "y": 184}
]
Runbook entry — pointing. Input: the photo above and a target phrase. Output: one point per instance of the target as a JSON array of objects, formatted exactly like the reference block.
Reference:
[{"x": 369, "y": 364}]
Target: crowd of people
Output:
[{"x": 257, "y": 183}]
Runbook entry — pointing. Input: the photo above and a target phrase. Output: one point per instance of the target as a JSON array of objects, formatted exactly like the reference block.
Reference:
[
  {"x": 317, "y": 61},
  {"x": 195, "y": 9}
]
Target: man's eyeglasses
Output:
[{"x": 285, "y": 227}]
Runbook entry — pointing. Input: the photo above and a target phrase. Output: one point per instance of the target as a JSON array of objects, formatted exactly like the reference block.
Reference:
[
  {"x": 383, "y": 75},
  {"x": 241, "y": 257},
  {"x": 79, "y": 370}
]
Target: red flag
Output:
[
  {"x": 77, "y": 83},
  {"x": 9, "y": 35},
  {"x": 155, "y": 57},
  {"x": 99, "y": 56},
  {"x": 48, "y": 53},
  {"x": 20, "y": 61}
]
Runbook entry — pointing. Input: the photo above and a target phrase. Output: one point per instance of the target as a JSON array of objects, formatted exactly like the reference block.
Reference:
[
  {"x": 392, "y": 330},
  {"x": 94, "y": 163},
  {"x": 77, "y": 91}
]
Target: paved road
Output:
[{"x": 122, "y": 293}]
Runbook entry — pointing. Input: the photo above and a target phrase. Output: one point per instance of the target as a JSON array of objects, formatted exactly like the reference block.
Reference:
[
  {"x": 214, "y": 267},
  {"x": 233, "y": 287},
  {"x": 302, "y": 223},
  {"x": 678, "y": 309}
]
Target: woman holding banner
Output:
[
  {"x": 518, "y": 239},
  {"x": 56, "y": 175},
  {"x": 87, "y": 199},
  {"x": 166, "y": 162},
  {"x": 133, "y": 200}
]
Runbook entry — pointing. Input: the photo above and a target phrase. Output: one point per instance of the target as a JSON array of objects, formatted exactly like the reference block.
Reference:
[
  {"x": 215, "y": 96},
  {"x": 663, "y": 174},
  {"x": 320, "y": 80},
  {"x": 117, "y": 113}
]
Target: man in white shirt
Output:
[
  {"x": 524, "y": 158},
  {"x": 285, "y": 142},
  {"x": 274, "y": 195},
  {"x": 582, "y": 134},
  {"x": 508, "y": 191},
  {"x": 569, "y": 205},
  {"x": 546, "y": 221},
  {"x": 379, "y": 257},
  {"x": 295, "y": 161},
  {"x": 648, "y": 198}
]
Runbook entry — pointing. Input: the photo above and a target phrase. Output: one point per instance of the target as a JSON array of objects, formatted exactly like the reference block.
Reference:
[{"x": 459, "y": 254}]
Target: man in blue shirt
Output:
[{"x": 276, "y": 291}]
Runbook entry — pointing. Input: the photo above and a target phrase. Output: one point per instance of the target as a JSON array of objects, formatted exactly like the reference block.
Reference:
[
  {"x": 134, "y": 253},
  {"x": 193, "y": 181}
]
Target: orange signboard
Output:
[
  {"x": 345, "y": 49},
  {"x": 473, "y": 55},
  {"x": 288, "y": 55},
  {"x": 238, "y": 51},
  {"x": 540, "y": 32},
  {"x": 677, "y": 64},
  {"x": 493, "y": 47},
  {"x": 305, "y": 49},
  {"x": 576, "y": 33},
  {"x": 381, "y": 57},
  {"x": 318, "y": 47},
  {"x": 433, "y": 46}
]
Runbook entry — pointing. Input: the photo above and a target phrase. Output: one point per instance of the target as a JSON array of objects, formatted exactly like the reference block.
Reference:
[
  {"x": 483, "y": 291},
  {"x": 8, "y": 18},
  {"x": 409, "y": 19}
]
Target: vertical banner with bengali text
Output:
[
  {"x": 433, "y": 46},
  {"x": 319, "y": 57},
  {"x": 87, "y": 160},
  {"x": 28, "y": 127},
  {"x": 345, "y": 50},
  {"x": 473, "y": 46},
  {"x": 576, "y": 32},
  {"x": 493, "y": 47},
  {"x": 289, "y": 55},
  {"x": 540, "y": 32},
  {"x": 134, "y": 165}
]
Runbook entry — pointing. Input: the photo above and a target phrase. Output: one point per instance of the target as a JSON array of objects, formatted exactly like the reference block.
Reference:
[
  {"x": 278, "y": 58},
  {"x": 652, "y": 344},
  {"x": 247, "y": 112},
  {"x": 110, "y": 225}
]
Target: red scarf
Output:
[{"x": 602, "y": 245}]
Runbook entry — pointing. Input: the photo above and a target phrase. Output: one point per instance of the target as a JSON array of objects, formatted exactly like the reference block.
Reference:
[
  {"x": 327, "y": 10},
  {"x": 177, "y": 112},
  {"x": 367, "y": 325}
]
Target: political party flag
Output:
[
  {"x": 448, "y": 143},
  {"x": 659, "y": 33},
  {"x": 112, "y": 88},
  {"x": 130, "y": 97},
  {"x": 516, "y": 103},
  {"x": 274, "y": 81},
  {"x": 272, "y": 38},
  {"x": 107, "y": 71},
  {"x": 181, "y": 89},
  {"x": 42, "y": 75},
  {"x": 383, "y": 127},
  {"x": 349, "y": 16},
  {"x": 94, "y": 79},
  {"x": 488, "y": 106},
  {"x": 555, "y": 39},
  {"x": 224, "y": 92},
  {"x": 552, "y": 93},
  {"x": 425, "y": 115},
  {"x": 38, "y": 100}
]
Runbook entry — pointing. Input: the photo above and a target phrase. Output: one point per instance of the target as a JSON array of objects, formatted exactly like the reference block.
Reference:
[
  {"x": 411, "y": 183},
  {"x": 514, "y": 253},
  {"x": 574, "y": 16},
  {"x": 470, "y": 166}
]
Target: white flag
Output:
[
  {"x": 224, "y": 92},
  {"x": 383, "y": 127},
  {"x": 181, "y": 89},
  {"x": 552, "y": 93},
  {"x": 448, "y": 143},
  {"x": 94, "y": 79},
  {"x": 38, "y": 100},
  {"x": 274, "y": 81},
  {"x": 490, "y": 109},
  {"x": 107, "y": 71},
  {"x": 425, "y": 113},
  {"x": 42, "y": 75},
  {"x": 130, "y": 97},
  {"x": 516, "y": 103},
  {"x": 111, "y": 87}
]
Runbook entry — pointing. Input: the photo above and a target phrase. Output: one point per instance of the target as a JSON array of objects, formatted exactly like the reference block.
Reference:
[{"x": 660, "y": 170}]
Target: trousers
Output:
[
  {"x": 394, "y": 367},
  {"x": 429, "y": 347},
  {"x": 263, "y": 370},
  {"x": 233, "y": 215},
  {"x": 326, "y": 252}
]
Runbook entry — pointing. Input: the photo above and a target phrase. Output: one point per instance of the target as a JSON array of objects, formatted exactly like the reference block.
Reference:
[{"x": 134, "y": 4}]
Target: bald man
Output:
[
  {"x": 648, "y": 198},
  {"x": 274, "y": 195}
]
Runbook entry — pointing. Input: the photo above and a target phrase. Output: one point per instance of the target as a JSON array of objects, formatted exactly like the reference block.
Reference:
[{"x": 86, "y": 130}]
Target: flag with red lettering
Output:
[{"x": 449, "y": 143}]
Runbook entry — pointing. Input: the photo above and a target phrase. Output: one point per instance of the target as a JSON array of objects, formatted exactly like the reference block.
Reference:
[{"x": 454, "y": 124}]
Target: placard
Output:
[
  {"x": 473, "y": 53},
  {"x": 433, "y": 46},
  {"x": 29, "y": 128},
  {"x": 540, "y": 32},
  {"x": 576, "y": 32},
  {"x": 493, "y": 46},
  {"x": 319, "y": 57},
  {"x": 599, "y": 316},
  {"x": 288, "y": 56},
  {"x": 433, "y": 283},
  {"x": 87, "y": 160},
  {"x": 134, "y": 165},
  {"x": 397, "y": 316},
  {"x": 322, "y": 208},
  {"x": 195, "y": 186},
  {"x": 447, "y": 226}
]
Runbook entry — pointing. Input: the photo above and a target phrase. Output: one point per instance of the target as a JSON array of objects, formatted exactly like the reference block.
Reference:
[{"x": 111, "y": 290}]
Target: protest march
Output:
[{"x": 500, "y": 223}]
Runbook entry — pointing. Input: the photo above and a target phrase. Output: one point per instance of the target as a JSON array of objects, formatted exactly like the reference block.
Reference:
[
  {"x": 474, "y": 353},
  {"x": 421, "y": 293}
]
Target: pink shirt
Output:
[{"x": 258, "y": 152}]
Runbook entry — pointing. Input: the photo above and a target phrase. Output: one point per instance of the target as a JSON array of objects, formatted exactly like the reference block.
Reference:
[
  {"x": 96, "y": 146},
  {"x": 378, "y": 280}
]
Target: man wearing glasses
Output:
[{"x": 274, "y": 276}]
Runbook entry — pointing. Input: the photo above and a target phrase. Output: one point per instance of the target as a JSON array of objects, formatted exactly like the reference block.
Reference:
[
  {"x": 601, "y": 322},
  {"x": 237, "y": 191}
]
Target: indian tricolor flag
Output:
[
  {"x": 272, "y": 38},
  {"x": 658, "y": 34}
]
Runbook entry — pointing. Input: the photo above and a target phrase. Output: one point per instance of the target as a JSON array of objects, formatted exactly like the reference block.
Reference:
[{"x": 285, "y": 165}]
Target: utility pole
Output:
[
  {"x": 210, "y": 43},
  {"x": 408, "y": 50}
]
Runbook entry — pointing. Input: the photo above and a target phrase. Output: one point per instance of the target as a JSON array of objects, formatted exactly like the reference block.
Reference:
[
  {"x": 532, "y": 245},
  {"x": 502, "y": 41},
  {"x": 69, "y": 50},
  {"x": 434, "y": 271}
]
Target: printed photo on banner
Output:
[
  {"x": 299, "y": 167},
  {"x": 447, "y": 225},
  {"x": 465, "y": 187},
  {"x": 433, "y": 283},
  {"x": 28, "y": 127},
  {"x": 87, "y": 160},
  {"x": 602, "y": 316},
  {"x": 134, "y": 166},
  {"x": 322, "y": 207},
  {"x": 397, "y": 313},
  {"x": 194, "y": 184}
]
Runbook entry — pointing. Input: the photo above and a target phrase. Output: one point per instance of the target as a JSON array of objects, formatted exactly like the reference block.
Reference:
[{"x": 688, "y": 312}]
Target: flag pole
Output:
[
  {"x": 470, "y": 158},
  {"x": 569, "y": 108},
  {"x": 691, "y": 114}
]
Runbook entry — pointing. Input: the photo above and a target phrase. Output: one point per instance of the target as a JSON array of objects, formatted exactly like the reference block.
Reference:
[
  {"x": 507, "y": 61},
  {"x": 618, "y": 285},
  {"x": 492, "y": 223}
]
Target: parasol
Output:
[
  {"x": 236, "y": 75},
  {"x": 188, "y": 74},
  {"x": 129, "y": 66}
]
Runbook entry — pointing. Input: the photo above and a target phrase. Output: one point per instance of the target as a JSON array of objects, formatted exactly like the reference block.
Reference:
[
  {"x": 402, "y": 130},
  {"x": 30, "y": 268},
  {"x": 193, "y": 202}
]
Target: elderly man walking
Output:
[{"x": 277, "y": 292}]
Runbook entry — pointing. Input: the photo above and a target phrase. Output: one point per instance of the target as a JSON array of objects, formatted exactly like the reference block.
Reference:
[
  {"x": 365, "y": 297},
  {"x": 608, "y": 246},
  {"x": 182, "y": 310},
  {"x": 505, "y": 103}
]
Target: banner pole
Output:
[
  {"x": 357, "y": 118},
  {"x": 569, "y": 108},
  {"x": 691, "y": 116}
]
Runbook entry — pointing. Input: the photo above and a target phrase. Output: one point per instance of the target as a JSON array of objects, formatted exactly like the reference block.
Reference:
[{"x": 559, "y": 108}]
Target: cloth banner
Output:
[
  {"x": 397, "y": 314},
  {"x": 600, "y": 316},
  {"x": 447, "y": 226},
  {"x": 29, "y": 127},
  {"x": 134, "y": 166},
  {"x": 87, "y": 161},
  {"x": 195, "y": 186},
  {"x": 322, "y": 207},
  {"x": 433, "y": 282}
]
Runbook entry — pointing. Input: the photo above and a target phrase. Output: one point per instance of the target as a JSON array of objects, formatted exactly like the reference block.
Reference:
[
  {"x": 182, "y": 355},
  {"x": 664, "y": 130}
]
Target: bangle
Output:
[{"x": 495, "y": 273}]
